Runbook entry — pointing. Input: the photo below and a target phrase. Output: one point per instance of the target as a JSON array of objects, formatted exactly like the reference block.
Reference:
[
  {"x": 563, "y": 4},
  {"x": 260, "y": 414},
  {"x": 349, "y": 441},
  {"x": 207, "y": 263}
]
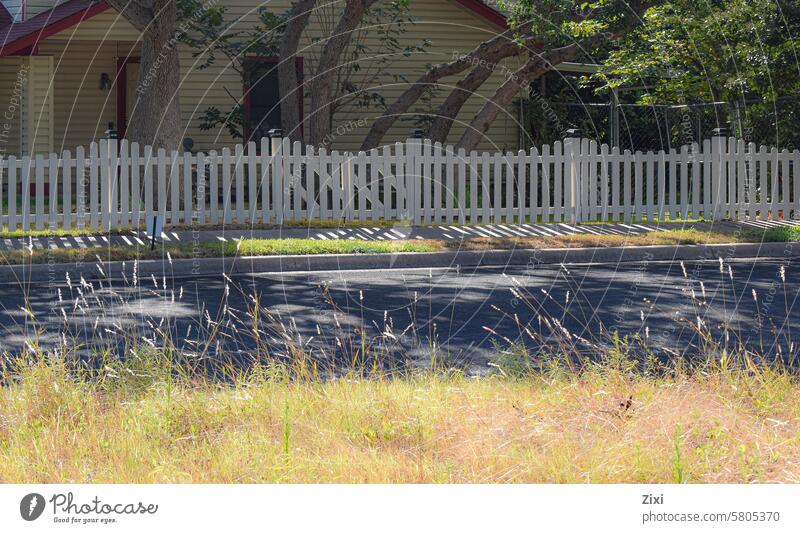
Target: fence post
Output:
[
  {"x": 105, "y": 184},
  {"x": 718, "y": 170},
  {"x": 411, "y": 182},
  {"x": 572, "y": 176},
  {"x": 276, "y": 142}
]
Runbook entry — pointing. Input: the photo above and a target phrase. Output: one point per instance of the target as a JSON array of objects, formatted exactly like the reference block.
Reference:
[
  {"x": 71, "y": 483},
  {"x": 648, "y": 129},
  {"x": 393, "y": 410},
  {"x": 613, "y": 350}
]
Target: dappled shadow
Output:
[
  {"x": 461, "y": 316},
  {"x": 377, "y": 233}
]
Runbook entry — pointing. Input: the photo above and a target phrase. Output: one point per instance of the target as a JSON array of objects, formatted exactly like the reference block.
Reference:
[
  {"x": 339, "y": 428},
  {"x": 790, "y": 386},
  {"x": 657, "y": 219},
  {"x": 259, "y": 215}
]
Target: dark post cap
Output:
[
  {"x": 720, "y": 132},
  {"x": 417, "y": 133},
  {"x": 111, "y": 132},
  {"x": 574, "y": 132},
  {"x": 275, "y": 132}
]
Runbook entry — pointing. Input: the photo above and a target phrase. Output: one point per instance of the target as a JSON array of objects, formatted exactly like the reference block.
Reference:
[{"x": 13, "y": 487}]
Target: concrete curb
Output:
[{"x": 56, "y": 272}]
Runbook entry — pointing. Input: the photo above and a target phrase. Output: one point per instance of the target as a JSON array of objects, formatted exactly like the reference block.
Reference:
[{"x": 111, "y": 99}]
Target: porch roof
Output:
[{"x": 16, "y": 37}]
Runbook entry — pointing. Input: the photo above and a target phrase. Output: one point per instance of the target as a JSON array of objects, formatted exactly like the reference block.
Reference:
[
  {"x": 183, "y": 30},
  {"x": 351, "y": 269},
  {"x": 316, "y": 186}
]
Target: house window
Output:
[{"x": 262, "y": 97}]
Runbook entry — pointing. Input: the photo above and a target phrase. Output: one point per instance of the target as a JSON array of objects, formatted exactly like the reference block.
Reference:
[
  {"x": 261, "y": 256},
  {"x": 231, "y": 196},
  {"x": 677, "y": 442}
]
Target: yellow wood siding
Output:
[
  {"x": 12, "y": 78},
  {"x": 82, "y": 109},
  {"x": 85, "y": 51},
  {"x": 36, "y": 117},
  {"x": 108, "y": 25}
]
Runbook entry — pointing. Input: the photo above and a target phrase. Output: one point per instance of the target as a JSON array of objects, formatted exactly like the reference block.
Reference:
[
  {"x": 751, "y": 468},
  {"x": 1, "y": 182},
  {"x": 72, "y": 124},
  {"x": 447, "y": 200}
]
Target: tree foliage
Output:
[{"x": 743, "y": 53}]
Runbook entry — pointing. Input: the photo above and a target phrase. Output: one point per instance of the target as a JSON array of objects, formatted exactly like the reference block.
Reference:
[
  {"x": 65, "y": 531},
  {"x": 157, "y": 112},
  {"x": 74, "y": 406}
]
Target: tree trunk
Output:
[
  {"x": 485, "y": 57},
  {"x": 288, "y": 85},
  {"x": 156, "y": 117},
  {"x": 322, "y": 86},
  {"x": 504, "y": 95},
  {"x": 448, "y": 111}
]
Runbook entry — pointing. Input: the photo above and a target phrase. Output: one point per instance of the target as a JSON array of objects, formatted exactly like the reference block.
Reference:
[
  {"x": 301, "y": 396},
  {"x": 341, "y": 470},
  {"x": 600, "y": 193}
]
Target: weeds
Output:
[
  {"x": 677, "y": 458},
  {"x": 247, "y": 396}
]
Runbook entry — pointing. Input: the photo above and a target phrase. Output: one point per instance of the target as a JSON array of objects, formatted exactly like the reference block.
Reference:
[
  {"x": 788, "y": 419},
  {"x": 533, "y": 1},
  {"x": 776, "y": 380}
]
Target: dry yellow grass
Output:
[
  {"x": 654, "y": 238},
  {"x": 718, "y": 427}
]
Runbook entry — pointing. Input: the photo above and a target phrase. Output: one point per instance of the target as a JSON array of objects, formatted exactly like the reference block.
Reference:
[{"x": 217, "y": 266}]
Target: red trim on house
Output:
[
  {"x": 122, "y": 93},
  {"x": 486, "y": 12},
  {"x": 23, "y": 35},
  {"x": 299, "y": 65}
]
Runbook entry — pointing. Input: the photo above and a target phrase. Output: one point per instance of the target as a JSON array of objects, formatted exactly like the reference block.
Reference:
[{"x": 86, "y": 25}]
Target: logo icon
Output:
[{"x": 31, "y": 507}]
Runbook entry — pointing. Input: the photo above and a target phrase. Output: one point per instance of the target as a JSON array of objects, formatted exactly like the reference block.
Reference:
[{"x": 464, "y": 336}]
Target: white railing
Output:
[{"x": 120, "y": 185}]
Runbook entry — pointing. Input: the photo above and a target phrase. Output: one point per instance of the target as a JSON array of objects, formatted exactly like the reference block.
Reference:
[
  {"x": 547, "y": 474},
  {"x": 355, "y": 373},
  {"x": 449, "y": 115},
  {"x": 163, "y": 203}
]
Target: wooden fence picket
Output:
[
  {"x": 52, "y": 222},
  {"x": 450, "y": 169},
  {"x": 293, "y": 177},
  {"x": 226, "y": 186},
  {"x": 312, "y": 169},
  {"x": 66, "y": 184},
  {"x": 39, "y": 192},
  {"x": 522, "y": 210},
  {"x": 118, "y": 185},
  {"x": 324, "y": 184},
  {"x": 12, "y": 193},
  {"x": 336, "y": 185},
  {"x": 239, "y": 178},
  {"x": 389, "y": 182},
  {"x": 375, "y": 184},
  {"x": 252, "y": 184},
  {"x": 533, "y": 188},
  {"x": 426, "y": 196},
  {"x": 399, "y": 180},
  {"x": 436, "y": 182},
  {"x": 201, "y": 188},
  {"x": 361, "y": 185},
  {"x": 556, "y": 162},
  {"x": 264, "y": 183},
  {"x": 616, "y": 211},
  {"x": 463, "y": 206}
]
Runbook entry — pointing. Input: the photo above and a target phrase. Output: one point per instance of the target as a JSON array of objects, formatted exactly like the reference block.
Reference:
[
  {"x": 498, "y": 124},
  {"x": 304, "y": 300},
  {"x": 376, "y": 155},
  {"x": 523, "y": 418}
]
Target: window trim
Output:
[{"x": 121, "y": 86}]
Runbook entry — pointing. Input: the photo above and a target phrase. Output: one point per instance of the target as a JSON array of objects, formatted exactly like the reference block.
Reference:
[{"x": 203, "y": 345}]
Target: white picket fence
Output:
[{"x": 119, "y": 185}]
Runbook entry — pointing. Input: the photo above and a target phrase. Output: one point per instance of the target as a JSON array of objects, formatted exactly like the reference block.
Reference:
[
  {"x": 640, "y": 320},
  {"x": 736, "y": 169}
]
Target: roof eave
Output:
[
  {"x": 486, "y": 12},
  {"x": 32, "y": 39}
]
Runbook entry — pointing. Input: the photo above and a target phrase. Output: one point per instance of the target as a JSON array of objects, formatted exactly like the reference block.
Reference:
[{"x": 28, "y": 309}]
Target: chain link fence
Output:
[{"x": 559, "y": 105}]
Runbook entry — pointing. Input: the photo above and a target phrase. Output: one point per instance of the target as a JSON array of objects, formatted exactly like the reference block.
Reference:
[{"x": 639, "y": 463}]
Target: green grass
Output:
[
  {"x": 257, "y": 247},
  {"x": 780, "y": 234},
  {"x": 58, "y": 232}
]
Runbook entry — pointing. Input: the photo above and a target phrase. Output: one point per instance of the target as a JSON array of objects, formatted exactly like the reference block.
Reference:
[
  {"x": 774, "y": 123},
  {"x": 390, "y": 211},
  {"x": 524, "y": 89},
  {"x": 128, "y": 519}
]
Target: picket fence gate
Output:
[{"x": 118, "y": 185}]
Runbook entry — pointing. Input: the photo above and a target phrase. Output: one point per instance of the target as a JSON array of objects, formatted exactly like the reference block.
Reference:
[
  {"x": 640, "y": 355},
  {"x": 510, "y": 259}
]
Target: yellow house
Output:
[{"x": 68, "y": 74}]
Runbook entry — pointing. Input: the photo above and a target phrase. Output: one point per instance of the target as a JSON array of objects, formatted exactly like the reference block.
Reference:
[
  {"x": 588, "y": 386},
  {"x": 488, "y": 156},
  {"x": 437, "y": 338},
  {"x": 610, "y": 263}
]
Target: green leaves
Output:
[{"x": 693, "y": 49}]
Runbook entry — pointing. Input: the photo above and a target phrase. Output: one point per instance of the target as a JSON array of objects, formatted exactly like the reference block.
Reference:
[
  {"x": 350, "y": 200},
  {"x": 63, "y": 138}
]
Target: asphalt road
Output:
[{"x": 461, "y": 316}]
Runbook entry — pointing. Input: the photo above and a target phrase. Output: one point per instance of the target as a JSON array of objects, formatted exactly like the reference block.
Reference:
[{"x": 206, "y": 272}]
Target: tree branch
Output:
[
  {"x": 288, "y": 83},
  {"x": 322, "y": 83},
  {"x": 537, "y": 66},
  {"x": 139, "y": 13},
  {"x": 484, "y": 57}
]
